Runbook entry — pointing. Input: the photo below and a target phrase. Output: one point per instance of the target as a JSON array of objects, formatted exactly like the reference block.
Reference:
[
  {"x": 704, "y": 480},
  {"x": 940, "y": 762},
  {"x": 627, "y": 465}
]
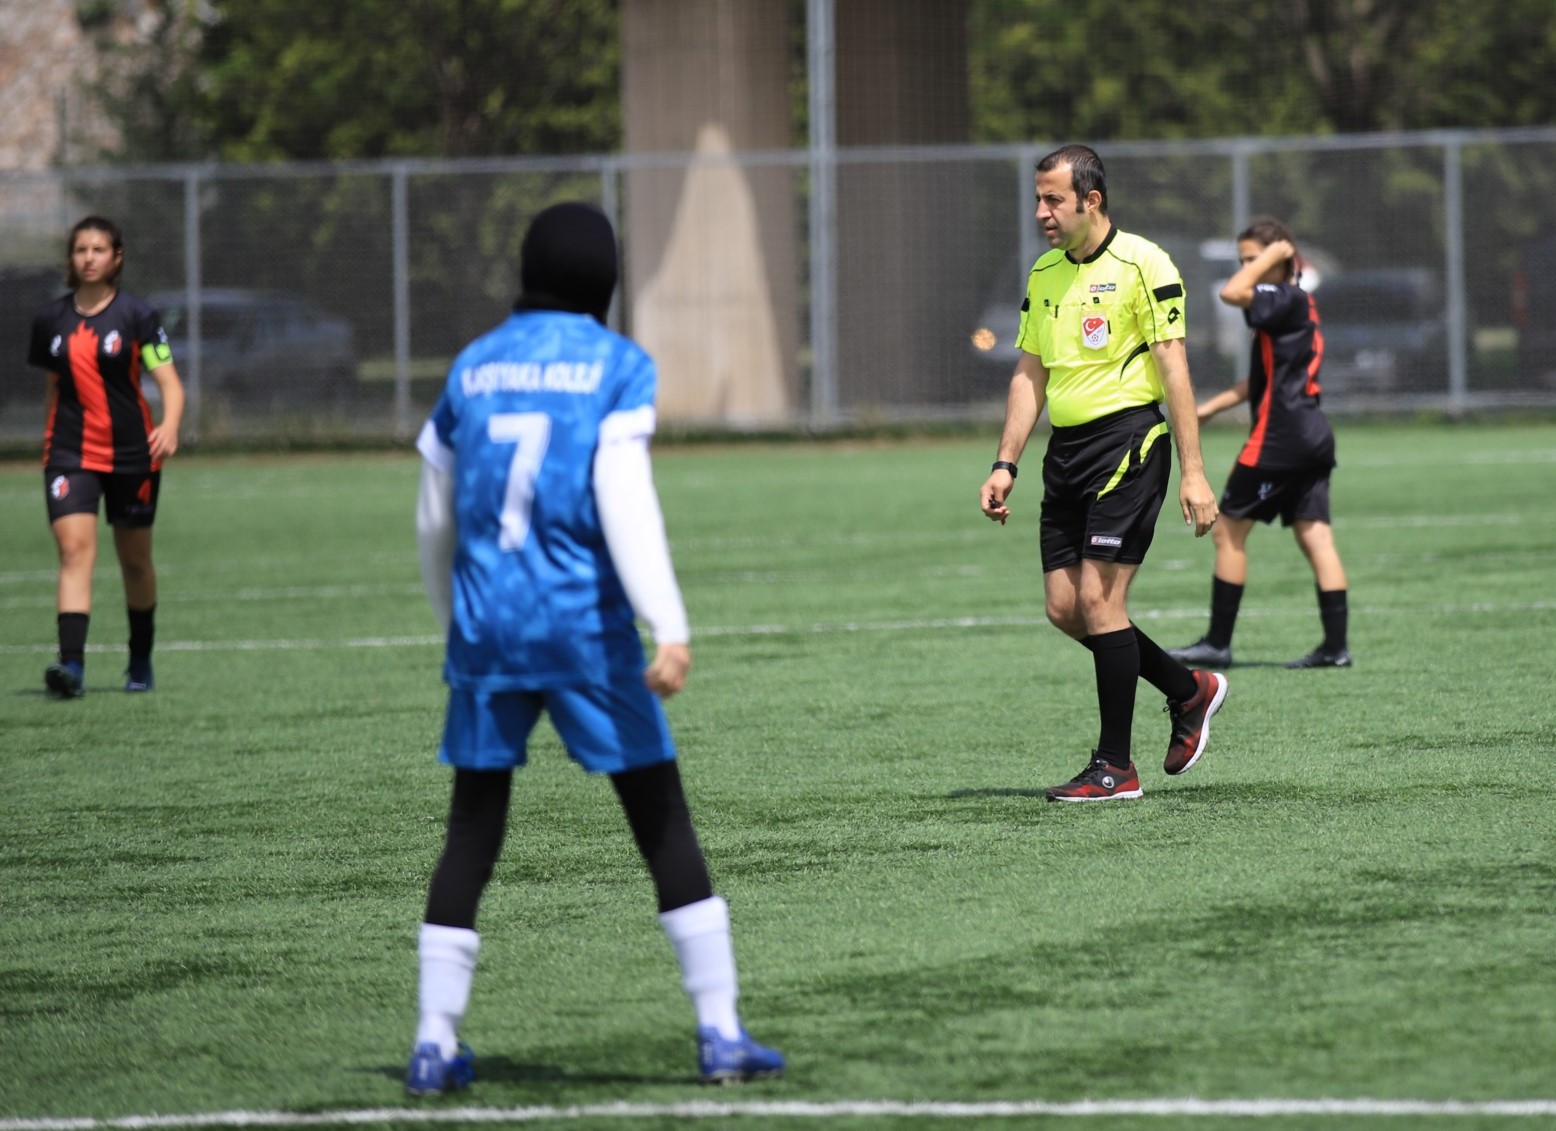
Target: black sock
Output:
[
  {"x": 1225, "y": 598},
  {"x": 1332, "y": 611},
  {"x": 1116, "y": 657},
  {"x": 1171, "y": 677},
  {"x": 143, "y": 630},
  {"x": 72, "y": 637}
]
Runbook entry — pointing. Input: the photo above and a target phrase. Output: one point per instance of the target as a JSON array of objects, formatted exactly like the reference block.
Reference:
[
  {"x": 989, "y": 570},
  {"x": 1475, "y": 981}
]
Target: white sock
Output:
[
  {"x": 447, "y": 968},
  {"x": 699, "y": 932}
]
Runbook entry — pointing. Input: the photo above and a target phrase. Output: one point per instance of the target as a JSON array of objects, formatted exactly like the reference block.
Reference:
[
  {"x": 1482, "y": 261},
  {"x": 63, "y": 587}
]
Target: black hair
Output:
[
  {"x": 1086, "y": 172},
  {"x": 93, "y": 224},
  {"x": 1264, "y": 231}
]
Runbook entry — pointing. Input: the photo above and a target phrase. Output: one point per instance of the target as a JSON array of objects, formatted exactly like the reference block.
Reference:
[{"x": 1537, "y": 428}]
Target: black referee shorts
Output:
[{"x": 1103, "y": 486}]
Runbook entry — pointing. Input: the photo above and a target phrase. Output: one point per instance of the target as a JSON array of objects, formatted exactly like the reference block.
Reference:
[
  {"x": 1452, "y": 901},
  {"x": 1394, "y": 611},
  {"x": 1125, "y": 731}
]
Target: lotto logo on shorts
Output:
[
  {"x": 1094, "y": 331},
  {"x": 1107, "y": 540},
  {"x": 60, "y": 487}
]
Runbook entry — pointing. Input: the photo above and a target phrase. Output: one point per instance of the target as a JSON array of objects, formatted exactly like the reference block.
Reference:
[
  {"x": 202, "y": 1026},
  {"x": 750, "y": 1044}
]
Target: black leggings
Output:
[{"x": 655, "y": 805}]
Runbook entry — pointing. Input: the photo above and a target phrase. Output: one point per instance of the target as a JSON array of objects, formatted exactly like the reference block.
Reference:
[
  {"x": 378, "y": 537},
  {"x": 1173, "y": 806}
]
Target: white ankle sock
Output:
[
  {"x": 699, "y": 932},
  {"x": 447, "y": 968}
]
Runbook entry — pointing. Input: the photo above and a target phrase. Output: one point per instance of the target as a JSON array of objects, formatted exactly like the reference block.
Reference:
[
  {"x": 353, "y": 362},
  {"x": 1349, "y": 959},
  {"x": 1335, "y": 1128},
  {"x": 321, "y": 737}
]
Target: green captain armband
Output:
[{"x": 155, "y": 354}]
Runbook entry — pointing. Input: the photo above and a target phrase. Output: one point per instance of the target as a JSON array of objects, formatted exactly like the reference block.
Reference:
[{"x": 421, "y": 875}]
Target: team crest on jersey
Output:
[
  {"x": 1094, "y": 331},
  {"x": 59, "y": 487},
  {"x": 112, "y": 343},
  {"x": 55, "y": 345}
]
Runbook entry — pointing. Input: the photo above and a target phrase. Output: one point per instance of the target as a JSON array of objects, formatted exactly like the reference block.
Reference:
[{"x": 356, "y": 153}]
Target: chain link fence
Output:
[{"x": 323, "y": 303}]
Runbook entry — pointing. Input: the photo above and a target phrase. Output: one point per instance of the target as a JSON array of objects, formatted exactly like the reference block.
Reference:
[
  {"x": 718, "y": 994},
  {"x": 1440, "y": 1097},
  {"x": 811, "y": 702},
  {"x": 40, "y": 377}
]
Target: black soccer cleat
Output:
[
  {"x": 64, "y": 680},
  {"x": 1322, "y": 657},
  {"x": 1203, "y": 654}
]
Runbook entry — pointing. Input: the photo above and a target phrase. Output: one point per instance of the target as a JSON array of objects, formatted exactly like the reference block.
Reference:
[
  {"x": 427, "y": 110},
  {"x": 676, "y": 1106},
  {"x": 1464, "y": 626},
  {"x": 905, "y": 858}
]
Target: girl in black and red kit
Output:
[
  {"x": 1283, "y": 470},
  {"x": 100, "y": 444}
]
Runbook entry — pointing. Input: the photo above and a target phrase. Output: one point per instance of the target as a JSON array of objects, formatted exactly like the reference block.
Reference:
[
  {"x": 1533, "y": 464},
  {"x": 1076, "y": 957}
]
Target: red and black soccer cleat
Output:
[
  {"x": 1191, "y": 721},
  {"x": 1099, "y": 781}
]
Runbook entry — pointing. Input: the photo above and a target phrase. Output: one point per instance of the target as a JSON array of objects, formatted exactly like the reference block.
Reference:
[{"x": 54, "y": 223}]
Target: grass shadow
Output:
[
  {"x": 506, "y": 1070},
  {"x": 1036, "y": 794}
]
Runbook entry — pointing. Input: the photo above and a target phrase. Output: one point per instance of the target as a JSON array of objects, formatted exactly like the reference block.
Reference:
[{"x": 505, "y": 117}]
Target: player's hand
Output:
[
  {"x": 1199, "y": 504},
  {"x": 667, "y": 674},
  {"x": 1282, "y": 250},
  {"x": 163, "y": 441},
  {"x": 991, "y": 497}
]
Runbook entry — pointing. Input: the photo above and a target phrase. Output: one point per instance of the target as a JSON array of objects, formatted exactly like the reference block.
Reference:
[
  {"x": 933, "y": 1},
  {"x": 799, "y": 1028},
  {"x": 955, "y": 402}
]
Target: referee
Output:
[{"x": 1102, "y": 347}]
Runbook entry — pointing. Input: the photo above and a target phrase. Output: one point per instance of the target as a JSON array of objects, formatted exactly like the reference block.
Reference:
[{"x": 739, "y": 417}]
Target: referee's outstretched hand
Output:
[{"x": 667, "y": 674}]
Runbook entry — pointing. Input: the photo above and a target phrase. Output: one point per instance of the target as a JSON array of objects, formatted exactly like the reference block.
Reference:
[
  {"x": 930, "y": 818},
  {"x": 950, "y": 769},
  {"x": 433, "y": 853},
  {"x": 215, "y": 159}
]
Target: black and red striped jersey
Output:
[
  {"x": 100, "y": 421},
  {"x": 1289, "y": 431}
]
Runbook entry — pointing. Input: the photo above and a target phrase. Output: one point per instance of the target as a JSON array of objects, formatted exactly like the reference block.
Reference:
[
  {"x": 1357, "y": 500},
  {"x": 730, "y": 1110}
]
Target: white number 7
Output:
[{"x": 531, "y": 431}]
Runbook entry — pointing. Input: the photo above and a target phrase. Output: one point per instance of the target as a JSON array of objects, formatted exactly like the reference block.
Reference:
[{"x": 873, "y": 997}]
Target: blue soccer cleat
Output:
[
  {"x": 138, "y": 677},
  {"x": 64, "y": 680},
  {"x": 723, "y": 1061},
  {"x": 430, "y": 1075}
]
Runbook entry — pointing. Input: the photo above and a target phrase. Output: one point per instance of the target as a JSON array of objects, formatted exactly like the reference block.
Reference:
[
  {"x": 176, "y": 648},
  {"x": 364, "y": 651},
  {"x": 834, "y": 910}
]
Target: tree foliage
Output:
[
  {"x": 261, "y": 80},
  {"x": 1127, "y": 69}
]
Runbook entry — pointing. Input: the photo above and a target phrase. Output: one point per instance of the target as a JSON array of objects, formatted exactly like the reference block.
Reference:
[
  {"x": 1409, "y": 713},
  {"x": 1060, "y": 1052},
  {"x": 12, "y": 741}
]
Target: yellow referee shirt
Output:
[{"x": 1093, "y": 323}]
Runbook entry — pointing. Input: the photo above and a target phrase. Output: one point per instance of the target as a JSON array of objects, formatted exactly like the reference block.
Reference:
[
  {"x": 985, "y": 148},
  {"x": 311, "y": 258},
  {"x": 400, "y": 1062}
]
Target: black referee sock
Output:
[
  {"x": 1169, "y": 676},
  {"x": 1225, "y": 599},
  {"x": 72, "y": 637},
  {"x": 143, "y": 630},
  {"x": 1116, "y": 656},
  {"x": 1333, "y": 612}
]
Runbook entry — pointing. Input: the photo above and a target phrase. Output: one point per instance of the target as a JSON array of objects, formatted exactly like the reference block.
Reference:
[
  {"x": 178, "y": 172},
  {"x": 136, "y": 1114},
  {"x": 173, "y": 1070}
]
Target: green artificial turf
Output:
[{"x": 209, "y": 895}]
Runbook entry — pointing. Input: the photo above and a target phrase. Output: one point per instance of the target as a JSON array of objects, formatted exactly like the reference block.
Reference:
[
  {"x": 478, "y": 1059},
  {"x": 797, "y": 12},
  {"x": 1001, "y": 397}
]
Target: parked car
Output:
[
  {"x": 1384, "y": 329},
  {"x": 263, "y": 347}
]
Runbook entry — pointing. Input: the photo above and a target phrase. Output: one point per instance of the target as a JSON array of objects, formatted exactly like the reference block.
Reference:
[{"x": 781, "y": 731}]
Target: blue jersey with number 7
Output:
[{"x": 537, "y": 602}]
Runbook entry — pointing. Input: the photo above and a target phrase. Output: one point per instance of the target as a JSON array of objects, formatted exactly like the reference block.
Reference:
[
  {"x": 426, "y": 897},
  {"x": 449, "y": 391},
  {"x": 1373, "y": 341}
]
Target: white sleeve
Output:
[
  {"x": 634, "y": 525},
  {"x": 435, "y": 534}
]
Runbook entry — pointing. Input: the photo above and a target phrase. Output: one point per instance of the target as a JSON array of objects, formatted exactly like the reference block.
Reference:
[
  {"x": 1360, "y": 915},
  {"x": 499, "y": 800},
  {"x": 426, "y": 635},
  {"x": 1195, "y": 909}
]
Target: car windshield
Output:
[
  {"x": 215, "y": 321},
  {"x": 1346, "y": 301}
]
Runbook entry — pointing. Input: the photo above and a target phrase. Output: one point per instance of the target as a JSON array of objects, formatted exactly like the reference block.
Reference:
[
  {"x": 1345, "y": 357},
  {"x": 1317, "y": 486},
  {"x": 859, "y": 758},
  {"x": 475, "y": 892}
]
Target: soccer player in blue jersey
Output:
[{"x": 540, "y": 537}]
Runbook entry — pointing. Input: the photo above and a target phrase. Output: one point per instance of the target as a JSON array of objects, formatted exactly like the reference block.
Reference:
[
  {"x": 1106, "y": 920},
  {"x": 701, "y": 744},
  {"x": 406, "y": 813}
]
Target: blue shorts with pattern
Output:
[{"x": 606, "y": 728}]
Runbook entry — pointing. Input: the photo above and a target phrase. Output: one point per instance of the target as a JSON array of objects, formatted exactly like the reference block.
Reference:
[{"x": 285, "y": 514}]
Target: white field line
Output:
[
  {"x": 759, "y": 630},
  {"x": 794, "y": 1109}
]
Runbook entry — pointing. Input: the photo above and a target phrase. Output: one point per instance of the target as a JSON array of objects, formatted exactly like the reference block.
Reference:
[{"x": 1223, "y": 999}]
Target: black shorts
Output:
[
  {"x": 1263, "y": 496},
  {"x": 1103, "y": 486},
  {"x": 131, "y": 500}
]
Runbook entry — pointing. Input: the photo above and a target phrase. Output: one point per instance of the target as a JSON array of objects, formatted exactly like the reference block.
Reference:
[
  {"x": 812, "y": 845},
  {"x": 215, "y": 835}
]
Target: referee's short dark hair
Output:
[{"x": 1086, "y": 172}]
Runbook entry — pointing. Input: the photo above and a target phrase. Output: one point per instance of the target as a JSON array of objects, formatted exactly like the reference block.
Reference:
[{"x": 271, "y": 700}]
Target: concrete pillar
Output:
[
  {"x": 712, "y": 251},
  {"x": 906, "y": 264}
]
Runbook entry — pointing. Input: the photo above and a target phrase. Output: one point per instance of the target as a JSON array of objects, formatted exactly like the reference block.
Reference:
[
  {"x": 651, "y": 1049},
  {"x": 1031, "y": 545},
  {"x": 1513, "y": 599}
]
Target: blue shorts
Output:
[{"x": 607, "y": 728}]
